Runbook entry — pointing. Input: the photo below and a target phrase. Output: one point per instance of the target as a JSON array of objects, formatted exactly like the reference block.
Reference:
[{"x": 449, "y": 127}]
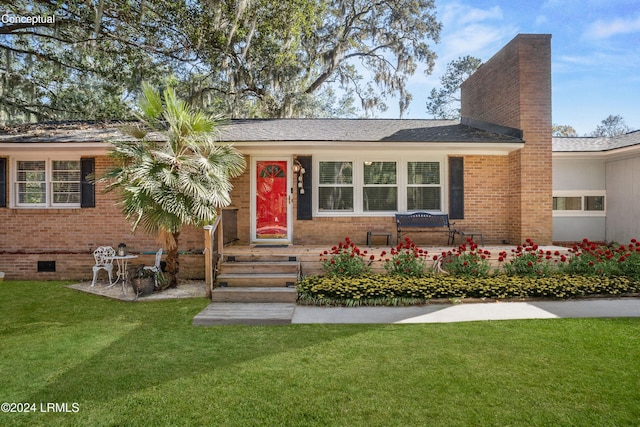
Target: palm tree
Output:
[{"x": 172, "y": 173}]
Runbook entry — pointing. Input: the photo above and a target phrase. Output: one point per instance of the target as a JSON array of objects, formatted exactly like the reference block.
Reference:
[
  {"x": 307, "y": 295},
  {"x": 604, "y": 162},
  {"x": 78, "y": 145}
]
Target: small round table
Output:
[{"x": 122, "y": 261}]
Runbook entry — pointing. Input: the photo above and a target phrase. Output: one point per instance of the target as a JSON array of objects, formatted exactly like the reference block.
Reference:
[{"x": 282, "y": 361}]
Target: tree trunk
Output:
[{"x": 173, "y": 264}]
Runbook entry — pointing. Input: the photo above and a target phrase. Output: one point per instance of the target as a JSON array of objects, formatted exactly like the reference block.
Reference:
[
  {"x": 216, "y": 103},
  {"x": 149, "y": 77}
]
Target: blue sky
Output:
[{"x": 595, "y": 53}]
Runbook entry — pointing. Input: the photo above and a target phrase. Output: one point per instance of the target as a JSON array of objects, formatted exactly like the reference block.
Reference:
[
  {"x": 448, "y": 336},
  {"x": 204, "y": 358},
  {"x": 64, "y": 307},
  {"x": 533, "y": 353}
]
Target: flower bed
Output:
[{"x": 465, "y": 272}]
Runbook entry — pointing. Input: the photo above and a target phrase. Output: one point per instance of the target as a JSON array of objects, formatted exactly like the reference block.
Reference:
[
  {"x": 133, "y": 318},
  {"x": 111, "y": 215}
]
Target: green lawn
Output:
[{"x": 144, "y": 364}]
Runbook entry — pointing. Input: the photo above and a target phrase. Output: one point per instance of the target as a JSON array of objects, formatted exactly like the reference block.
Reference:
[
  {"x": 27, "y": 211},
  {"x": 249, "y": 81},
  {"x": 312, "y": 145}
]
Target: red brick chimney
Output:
[{"x": 513, "y": 89}]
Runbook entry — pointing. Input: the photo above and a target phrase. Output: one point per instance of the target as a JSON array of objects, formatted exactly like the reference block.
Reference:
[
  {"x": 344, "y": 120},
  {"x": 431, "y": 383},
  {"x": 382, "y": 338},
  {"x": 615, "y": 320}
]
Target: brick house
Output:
[{"x": 490, "y": 171}]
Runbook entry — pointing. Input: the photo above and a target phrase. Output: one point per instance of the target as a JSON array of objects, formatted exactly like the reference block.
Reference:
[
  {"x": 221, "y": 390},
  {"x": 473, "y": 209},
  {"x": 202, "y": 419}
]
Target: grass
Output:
[{"x": 144, "y": 364}]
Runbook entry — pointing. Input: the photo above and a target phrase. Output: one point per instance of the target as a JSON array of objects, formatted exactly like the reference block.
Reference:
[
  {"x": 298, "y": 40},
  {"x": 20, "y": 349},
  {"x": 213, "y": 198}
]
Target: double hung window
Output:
[
  {"x": 335, "y": 187},
  {"x": 47, "y": 183},
  {"x": 423, "y": 186}
]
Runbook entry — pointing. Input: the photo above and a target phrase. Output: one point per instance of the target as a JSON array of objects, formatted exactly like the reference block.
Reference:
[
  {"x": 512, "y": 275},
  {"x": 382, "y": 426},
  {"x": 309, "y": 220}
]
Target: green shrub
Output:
[
  {"x": 373, "y": 289},
  {"x": 407, "y": 259},
  {"x": 345, "y": 259}
]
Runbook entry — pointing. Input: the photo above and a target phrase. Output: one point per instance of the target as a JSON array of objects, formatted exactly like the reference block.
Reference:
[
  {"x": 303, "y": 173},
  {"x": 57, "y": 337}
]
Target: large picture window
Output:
[
  {"x": 335, "y": 186},
  {"x": 47, "y": 183},
  {"x": 378, "y": 186}
]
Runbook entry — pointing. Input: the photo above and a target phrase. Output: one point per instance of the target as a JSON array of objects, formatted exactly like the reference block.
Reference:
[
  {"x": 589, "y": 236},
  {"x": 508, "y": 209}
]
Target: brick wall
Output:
[
  {"x": 513, "y": 89},
  {"x": 68, "y": 236},
  {"x": 486, "y": 210}
]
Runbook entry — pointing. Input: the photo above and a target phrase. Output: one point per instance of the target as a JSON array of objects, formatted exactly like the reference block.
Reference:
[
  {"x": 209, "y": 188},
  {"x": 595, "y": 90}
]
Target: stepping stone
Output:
[{"x": 245, "y": 314}]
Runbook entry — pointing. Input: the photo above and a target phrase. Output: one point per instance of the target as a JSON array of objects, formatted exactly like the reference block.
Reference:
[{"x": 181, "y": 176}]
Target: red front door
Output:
[{"x": 271, "y": 199}]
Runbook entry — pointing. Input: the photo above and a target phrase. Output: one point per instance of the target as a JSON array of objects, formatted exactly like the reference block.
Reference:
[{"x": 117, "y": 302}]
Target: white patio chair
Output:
[
  {"x": 156, "y": 267},
  {"x": 104, "y": 261}
]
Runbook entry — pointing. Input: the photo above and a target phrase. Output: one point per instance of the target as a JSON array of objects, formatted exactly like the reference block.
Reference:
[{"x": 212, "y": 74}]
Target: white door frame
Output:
[{"x": 253, "y": 219}]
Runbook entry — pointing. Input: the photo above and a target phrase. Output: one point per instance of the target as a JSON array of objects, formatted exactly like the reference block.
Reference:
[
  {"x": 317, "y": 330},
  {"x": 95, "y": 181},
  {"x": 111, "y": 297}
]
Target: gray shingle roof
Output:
[
  {"x": 276, "y": 130},
  {"x": 591, "y": 144},
  {"x": 393, "y": 130}
]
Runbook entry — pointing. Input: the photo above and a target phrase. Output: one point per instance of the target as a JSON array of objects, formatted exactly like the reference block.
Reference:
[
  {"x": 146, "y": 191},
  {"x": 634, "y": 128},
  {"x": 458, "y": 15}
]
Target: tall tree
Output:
[
  {"x": 563, "y": 130},
  {"x": 611, "y": 126},
  {"x": 253, "y": 57},
  {"x": 80, "y": 59},
  {"x": 279, "y": 67},
  {"x": 182, "y": 179},
  {"x": 444, "y": 102}
]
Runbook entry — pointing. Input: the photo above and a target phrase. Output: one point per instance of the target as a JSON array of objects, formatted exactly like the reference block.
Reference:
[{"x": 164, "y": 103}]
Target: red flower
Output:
[
  {"x": 500, "y": 259},
  {"x": 372, "y": 257},
  {"x": 530, "y": 264},
  {"x": 563, "y": 258},
  {"x": 435, "y": 257},
  {"x": 383, "y": 253}
]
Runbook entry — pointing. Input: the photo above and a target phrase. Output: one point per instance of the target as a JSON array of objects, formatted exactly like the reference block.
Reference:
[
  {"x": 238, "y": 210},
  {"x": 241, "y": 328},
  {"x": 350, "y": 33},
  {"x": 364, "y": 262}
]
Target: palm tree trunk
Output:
[{"x": 173, "y": 264}]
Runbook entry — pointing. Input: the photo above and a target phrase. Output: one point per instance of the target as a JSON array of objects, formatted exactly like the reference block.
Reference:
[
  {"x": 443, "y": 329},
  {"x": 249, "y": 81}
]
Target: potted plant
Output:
[{"x": 143, "y": 281}]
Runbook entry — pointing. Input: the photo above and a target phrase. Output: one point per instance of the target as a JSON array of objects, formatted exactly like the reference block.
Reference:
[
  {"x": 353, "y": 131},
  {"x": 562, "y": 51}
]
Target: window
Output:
[
  {"x": 31, "y": 183},
  {"x": 377, "y": 186},
  {"x": 593, "y": 203},
  {"x": 567, "y": 203},
  {"x": 380, "y": 192},
  {"x": 572, "y": 203},
  {"x": 47, "y": 183},
  {"x": 423, "y": 186},
  {"x": 335, "y": 186}
]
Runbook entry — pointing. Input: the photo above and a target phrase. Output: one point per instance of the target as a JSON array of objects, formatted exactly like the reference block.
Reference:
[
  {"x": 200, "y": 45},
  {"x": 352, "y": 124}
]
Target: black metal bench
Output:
[{"x": 422, "y": 220}]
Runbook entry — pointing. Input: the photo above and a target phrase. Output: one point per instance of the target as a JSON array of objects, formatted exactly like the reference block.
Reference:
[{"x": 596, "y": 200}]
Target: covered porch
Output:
[{"x": 233, "y": 264}]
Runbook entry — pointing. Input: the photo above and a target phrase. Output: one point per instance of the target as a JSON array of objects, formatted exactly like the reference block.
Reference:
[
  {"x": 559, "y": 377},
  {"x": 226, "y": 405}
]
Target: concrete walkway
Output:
[
  {"x": 447, "y": 313},
  {"x": 260, "y": 314}
]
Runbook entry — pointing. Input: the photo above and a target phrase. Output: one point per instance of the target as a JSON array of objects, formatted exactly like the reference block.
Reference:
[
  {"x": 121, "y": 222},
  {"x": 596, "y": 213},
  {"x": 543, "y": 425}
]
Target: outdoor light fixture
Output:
[
  {"x": 122, "y": 249},
  {"x": 297, "y": 168}
]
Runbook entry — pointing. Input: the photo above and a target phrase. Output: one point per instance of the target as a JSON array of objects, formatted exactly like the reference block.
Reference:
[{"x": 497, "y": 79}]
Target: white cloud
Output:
[
  {"x": 603, "y": 29},
  {"x": 541, "y": 20},
  {"x": 461, "y": 14},
  {"x": 472, "y": 31}
]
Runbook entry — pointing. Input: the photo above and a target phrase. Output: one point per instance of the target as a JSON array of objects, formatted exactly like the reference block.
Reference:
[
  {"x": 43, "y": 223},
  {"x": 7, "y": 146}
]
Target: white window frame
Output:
[
  {"x": 364, "y": 185},
  {"x": 582, "y": 194},
  {"x": 49, "y": 204},
  {"x": 439, "y": 185},
  {"x": 318, "y": 185},
  {"x": 358, "y": 181}
]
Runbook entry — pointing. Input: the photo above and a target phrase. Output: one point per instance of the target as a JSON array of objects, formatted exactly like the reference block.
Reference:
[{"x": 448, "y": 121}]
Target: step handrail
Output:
[{"x": 210, "y": 269}]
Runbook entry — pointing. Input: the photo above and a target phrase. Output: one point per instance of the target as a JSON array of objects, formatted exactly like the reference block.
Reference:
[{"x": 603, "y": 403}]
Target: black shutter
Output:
[
  {"x": 304, "y": 200},
  {"x": 3, "y": 183},
  {"x": 87, "y": 186},
  {"x": 456, "y": 187}
]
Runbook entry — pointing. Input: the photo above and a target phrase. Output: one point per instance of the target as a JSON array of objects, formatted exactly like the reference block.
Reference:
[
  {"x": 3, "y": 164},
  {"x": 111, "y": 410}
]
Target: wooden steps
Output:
[{"x": 253, "y": 290}]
